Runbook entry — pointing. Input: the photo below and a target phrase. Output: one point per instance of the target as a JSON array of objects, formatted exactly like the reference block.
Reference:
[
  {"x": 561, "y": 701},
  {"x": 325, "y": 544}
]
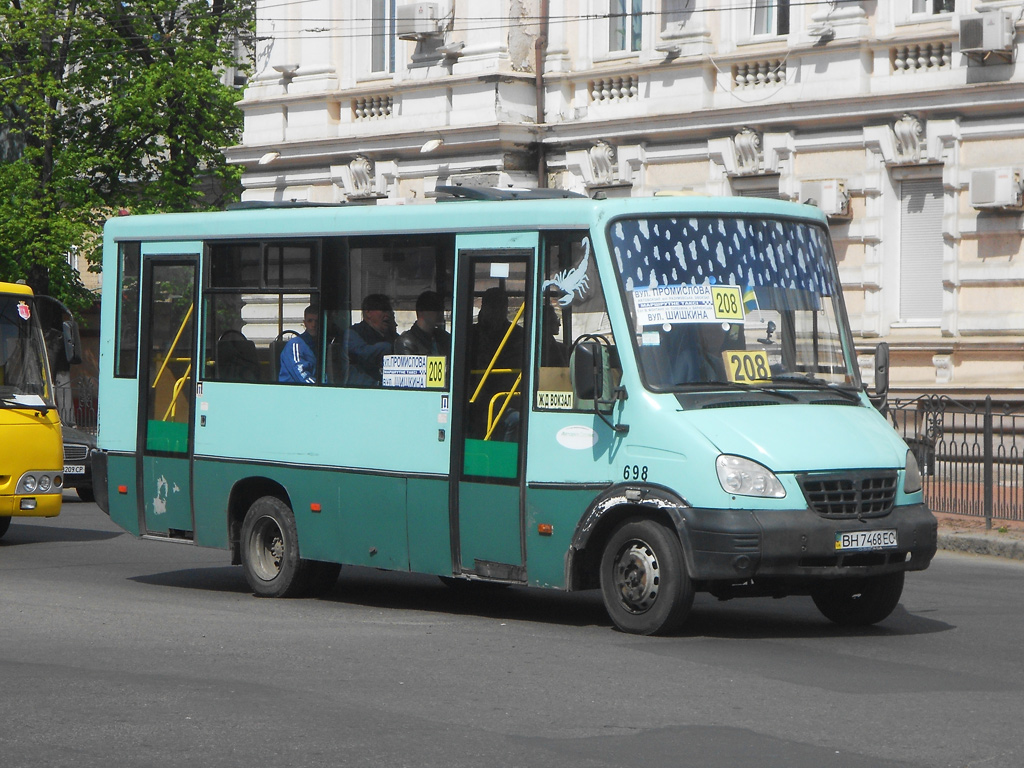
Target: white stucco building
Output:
[{"x": 882, "y": 111}]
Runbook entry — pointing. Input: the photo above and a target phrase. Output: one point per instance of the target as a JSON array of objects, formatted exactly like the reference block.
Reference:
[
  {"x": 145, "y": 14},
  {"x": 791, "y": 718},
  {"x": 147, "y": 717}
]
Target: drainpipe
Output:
[{"x": 540, "y": 48}]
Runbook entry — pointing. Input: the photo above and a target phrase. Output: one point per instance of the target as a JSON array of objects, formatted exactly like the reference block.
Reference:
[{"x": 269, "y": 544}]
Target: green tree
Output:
[{"x": 105, "y": 105}]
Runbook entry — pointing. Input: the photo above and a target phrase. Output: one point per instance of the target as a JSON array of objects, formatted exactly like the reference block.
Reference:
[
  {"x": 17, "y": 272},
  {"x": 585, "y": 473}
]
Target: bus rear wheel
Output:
[
  {"x": 644, "y": 582},
  {"x": 270, "y": 551},
  {"x": 860, "y": 602}
]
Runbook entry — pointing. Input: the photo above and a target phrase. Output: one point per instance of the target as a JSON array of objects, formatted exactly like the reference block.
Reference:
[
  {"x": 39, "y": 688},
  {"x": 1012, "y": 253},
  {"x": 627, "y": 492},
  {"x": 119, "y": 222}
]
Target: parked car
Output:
[{"x": 79, "y": 446}]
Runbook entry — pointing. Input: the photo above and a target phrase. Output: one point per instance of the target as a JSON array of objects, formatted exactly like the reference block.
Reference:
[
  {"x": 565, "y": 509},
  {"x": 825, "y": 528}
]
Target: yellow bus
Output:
[{"x": 31, "y": 450}]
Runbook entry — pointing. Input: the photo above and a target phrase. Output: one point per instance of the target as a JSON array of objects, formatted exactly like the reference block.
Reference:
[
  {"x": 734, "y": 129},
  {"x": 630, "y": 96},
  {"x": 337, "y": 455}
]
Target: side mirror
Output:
[
  {"x": 72, "y": 342},
  {"x": 882, "y": 369},
  {"x": 588, "y": 361},
  {"x": 880, "y": 399}
]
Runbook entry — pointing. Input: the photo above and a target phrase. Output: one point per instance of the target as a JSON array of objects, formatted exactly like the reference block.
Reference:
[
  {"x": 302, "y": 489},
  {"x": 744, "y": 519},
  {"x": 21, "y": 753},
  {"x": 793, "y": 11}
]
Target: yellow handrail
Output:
[
  {"x": 175, "y": 393},
  {"x": 492, "y": 421},
  {"x": 498, "y": 351},
  {"x": 174, "y": 344}
]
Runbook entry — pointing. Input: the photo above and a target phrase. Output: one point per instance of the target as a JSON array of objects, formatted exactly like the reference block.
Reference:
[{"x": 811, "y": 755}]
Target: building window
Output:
[
  {"x": 771, "y": 17},
  {"x": 625, "y": 22},
  {"x": 675, "y": 14},
  {"x": 757, "y": 186},
  {"x": 921, "y": 248},
  {"x": 383, "y": 40},
  {"x": 933, "y": 6}
]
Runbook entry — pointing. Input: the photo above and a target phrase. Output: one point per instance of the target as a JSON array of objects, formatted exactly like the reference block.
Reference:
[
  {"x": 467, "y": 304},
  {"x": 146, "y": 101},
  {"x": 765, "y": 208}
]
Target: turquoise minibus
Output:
[{"x": 650, "y": 397}]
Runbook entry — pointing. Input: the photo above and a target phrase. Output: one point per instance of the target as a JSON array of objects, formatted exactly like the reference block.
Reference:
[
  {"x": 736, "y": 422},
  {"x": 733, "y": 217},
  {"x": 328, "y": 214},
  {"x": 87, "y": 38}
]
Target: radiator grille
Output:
[
  {"x": 850, "y": 494},
  {"x": 75, "y": 452}
]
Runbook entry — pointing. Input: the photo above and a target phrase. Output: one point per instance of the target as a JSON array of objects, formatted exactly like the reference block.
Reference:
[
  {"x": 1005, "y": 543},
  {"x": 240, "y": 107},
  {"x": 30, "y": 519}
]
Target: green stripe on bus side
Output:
[
  {"x": 545, "y": 553},
  {"x": 124, "y": 510},
  {"x": 347, "y": 517}
]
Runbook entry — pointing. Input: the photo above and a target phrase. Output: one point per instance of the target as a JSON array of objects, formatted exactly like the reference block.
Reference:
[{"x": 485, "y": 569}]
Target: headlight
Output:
[
  {"x": 44, "y": 483},
  {"x": 743, "y": 477},
  {"x": 912, "y": 479},
  {"x": 29, "y": 483}
]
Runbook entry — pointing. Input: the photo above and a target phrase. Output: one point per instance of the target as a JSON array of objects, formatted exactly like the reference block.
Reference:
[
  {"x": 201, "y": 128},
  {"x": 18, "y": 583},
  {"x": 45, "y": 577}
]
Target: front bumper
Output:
[
  {"x": 737, "y": 545},
  {"x": 45, "y": 505}
]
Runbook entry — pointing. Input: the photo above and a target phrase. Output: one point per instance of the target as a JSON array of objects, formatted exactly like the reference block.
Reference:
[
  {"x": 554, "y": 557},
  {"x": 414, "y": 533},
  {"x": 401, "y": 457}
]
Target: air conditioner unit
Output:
[
  {"x": 996, "y": 188},
  {"x": 991, "y": 30},
  {"x": 828, "y": 194},
  {"x": 416, "y": 21}
]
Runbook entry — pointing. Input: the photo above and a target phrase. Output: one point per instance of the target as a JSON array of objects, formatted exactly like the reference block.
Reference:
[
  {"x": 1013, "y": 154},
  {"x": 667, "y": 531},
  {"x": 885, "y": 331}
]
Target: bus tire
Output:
[
  {"x": 270, "y": 551},
  {"x": 859, "y": 602},
  {"x": 644, "y": 582},
  {"x": 85, "y": 493},
  {"x": 5, "y": 523}
]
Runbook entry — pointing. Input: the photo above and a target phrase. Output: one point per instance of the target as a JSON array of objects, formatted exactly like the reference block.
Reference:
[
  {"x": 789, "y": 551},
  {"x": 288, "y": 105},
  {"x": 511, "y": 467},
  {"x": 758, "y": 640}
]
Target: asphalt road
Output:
[{"x": 119, "y": 652}]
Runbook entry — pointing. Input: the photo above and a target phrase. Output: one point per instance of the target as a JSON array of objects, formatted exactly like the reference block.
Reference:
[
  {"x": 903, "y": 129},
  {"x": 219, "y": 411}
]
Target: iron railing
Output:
[{"x": 971, "y": 454}]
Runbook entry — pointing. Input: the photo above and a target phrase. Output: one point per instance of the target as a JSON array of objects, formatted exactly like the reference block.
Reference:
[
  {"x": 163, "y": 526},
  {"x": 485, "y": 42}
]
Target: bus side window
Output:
[
  {"x": 572, "y": 308},
  {"x": 384, "y": 279},
  {"x": 255, "y": 296}
]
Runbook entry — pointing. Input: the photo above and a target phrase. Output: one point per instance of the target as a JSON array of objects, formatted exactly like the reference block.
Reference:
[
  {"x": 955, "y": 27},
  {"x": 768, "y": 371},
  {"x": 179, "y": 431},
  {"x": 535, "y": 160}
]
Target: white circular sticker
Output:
[{"x": 577, "y": 437}]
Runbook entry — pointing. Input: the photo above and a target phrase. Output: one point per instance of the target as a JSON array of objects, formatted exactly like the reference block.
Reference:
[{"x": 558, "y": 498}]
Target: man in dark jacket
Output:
[
  {"x": 427, "y": 335},
  {"x": 368, "y": 341}
]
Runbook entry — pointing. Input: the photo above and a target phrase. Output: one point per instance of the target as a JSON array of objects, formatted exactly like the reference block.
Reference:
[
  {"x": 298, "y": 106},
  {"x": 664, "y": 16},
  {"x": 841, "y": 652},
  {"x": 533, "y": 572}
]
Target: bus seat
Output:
[
  {"x": 236, "y": 358},
  {"x": 337, "y": 362}
]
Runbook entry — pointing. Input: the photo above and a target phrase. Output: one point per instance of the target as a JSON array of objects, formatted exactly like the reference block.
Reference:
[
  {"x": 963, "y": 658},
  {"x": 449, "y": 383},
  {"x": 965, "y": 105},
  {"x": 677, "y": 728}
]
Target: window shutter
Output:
[{"x": 921, "y": 248}]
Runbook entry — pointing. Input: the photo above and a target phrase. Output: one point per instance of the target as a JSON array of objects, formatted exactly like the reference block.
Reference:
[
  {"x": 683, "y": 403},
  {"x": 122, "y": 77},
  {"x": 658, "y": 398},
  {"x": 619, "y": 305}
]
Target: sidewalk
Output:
[{"x": 958, "y": 533}]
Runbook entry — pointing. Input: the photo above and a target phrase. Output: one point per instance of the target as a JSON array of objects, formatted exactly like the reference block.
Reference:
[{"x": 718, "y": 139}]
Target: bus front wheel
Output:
[
  {"x": 270, "y": 551},
  {"x": 5, "y": 523},
  {"x": 643, "y": 579},
  {"x": 860, "y": 602}
]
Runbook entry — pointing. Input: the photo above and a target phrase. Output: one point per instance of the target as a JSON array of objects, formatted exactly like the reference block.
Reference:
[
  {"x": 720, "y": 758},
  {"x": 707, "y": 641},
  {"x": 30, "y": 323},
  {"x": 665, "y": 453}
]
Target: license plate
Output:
[
  {"x": 850, "y": 540},
  {"x": 74, "y": 469}
]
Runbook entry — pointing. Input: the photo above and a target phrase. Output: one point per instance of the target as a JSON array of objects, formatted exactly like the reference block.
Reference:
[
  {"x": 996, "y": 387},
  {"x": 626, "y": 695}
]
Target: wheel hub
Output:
[
  {"x": 637, "y": 576},
  {"x": 267, "y": 548}
]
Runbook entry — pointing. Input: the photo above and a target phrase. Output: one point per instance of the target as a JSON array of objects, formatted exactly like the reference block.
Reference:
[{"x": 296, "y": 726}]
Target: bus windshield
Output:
[
  {"x": 720, "y": 302},
  {"x": 23, "y": 372}
]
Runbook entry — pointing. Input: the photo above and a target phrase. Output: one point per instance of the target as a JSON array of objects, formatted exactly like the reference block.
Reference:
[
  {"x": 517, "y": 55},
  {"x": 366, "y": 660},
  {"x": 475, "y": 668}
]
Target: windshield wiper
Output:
[
  {"x": 813, "y": 382},
  {"x": 711, "y": 386},
  {"x": 9, "y": 401}
]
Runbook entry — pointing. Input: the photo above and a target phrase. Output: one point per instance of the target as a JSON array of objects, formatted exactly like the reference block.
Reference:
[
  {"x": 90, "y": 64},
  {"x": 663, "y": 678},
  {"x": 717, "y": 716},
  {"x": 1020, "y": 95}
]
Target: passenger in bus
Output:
[
  {"x": 553, "y": 353},
  {"x": 427, "y": 335},
  {"x": 491, "y": 327},
  {"x": 298, "y": 358},
  {"x": 368, "y": 341}
]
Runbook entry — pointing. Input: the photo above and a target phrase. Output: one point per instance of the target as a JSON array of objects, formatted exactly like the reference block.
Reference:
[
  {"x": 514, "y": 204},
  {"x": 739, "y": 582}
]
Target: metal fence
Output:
[{"x": 971, "y": 454}]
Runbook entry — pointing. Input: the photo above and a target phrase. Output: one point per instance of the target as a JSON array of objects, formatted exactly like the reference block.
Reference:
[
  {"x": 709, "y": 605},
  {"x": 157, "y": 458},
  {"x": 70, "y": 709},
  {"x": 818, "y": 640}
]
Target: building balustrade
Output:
[
  {"x": 924, "y": 57},
  {"x": 372, "y": 107},
  {"x": 614, "y": 89},
  {"x": 759, "y": 73}
]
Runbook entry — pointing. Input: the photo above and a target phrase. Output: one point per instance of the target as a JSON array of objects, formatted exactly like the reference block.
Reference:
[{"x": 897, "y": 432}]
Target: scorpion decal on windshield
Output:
[{"x": 571, "y": 281}]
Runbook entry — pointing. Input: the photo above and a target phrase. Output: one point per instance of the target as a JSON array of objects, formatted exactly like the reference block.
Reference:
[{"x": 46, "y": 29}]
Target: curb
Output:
[{"x": 994, "y": 544}]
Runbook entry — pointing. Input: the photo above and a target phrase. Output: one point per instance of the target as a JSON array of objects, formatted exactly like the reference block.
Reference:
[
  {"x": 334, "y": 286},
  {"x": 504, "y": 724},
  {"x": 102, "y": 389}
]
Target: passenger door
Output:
[
  {"x": 490, "y": 404},
  {"x": 167, "y": 395}
]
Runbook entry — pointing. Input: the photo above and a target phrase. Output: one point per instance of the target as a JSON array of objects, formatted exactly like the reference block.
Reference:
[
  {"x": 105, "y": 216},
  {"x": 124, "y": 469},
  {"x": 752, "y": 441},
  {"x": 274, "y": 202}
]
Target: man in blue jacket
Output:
[{"x": 298, "y": 358}]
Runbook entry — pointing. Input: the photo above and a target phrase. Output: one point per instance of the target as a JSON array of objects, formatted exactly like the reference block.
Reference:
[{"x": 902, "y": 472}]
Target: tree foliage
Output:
[{"x": 104, "y": 105}]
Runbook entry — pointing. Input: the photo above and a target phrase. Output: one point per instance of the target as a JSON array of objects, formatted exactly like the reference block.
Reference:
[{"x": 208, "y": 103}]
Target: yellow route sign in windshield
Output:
[{"x": 745, "y": 367}]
